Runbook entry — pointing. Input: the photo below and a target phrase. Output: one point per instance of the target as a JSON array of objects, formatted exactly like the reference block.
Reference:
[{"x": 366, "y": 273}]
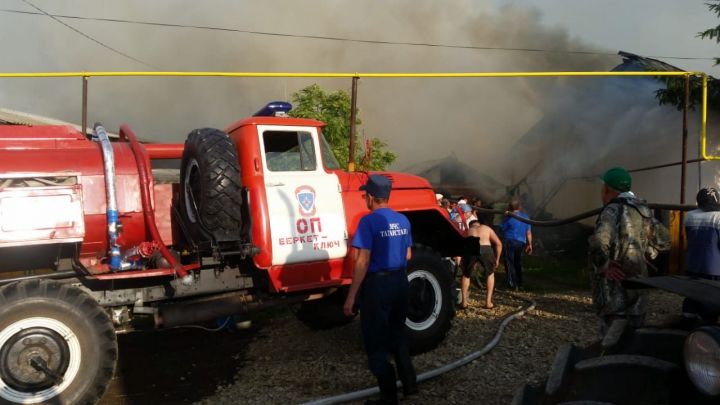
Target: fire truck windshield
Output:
[{"x": 328, "y": 157}]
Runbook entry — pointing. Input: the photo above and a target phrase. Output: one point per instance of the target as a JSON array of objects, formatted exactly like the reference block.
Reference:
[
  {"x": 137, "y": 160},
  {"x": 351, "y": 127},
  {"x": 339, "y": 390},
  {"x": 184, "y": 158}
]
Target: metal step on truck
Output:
[{"x": 94, "y": 242}]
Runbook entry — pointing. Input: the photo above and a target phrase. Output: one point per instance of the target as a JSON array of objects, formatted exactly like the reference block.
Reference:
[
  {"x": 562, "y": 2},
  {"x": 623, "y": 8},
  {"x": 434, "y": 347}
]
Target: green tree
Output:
[
  {"x": 674, "y": 91},
  {"x": 712, "y": 33},
  {"x": 334, "y": 110}
]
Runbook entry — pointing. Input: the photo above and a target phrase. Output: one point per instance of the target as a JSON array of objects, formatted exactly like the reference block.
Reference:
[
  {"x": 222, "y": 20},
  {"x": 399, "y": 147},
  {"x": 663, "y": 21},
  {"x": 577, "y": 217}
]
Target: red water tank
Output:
[{"x": 44, "y": 170}]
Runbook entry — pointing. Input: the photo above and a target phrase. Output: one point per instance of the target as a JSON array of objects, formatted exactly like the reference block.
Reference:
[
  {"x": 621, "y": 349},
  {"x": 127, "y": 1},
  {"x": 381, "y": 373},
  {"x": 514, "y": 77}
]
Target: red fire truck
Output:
[{"x": 93, "y": 241}]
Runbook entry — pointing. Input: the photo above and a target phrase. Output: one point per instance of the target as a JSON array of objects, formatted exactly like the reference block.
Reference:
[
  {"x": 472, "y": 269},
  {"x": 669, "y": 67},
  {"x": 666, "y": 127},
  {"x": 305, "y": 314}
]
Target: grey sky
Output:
[{"x": 645, "y": 27}]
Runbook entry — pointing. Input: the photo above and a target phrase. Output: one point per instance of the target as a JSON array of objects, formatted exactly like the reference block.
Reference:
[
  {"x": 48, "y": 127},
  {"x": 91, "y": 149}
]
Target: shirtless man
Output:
[{"x": 489, "y": 259}]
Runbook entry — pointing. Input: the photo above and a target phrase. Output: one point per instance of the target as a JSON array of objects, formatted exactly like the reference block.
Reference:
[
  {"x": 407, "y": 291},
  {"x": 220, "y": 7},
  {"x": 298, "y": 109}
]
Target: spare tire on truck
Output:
[
  {"x": 430, "y": 300},
  {"x": 57, "y": 345},
  {"x": 210, "y": 190}
]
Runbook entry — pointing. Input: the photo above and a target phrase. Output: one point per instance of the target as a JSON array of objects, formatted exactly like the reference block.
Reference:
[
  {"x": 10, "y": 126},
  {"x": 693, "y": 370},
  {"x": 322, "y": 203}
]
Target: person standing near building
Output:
[
  {"x": 517, "y": 237},
  {"x": 470, "y": 215},
  {"x": 489, "y": 251},
  {"x": 445, "y": 204},
  {"x": 383, "y": 246},
  {"x": 459, "y": 216},
  {"x": 626, "y": 234},
  {"x": 702, "y": 227}
]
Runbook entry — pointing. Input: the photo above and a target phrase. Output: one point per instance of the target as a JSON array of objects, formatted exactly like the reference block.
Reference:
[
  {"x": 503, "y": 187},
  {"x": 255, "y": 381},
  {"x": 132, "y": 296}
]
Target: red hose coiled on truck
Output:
[{"x": 144, "y": 174}]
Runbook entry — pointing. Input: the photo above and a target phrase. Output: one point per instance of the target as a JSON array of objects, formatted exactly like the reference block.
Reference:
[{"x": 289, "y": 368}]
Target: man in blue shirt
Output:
[
  {"x": 517, "y": 237},
  {"x": 383, "y": 247},
  {"x": 702, "y": 227},
  {"x": 703, "y": 235}
]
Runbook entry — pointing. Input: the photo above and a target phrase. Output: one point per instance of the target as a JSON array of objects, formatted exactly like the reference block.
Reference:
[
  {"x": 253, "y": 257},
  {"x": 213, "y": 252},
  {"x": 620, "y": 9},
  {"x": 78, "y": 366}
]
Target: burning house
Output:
[
  {"x": 451, "y": 177},
  {"x": 604, "y": 122}
]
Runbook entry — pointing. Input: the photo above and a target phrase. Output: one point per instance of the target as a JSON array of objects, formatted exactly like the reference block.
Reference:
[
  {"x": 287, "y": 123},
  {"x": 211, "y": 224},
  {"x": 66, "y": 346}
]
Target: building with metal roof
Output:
[{"x": 13, "y": 117}]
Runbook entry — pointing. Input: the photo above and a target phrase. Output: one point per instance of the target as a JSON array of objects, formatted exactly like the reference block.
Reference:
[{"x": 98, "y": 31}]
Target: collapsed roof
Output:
[{"x": 449, "y": 175}]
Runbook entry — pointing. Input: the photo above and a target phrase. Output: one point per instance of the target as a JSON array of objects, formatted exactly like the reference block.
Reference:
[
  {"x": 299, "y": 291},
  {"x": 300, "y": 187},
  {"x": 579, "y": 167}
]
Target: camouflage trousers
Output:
[{"x": 613, "y": 301}]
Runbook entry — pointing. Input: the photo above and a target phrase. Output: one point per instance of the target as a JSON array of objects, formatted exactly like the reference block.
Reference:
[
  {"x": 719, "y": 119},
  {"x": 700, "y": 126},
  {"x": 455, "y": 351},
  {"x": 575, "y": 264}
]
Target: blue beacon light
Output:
[{"x": 274, "y": 109}]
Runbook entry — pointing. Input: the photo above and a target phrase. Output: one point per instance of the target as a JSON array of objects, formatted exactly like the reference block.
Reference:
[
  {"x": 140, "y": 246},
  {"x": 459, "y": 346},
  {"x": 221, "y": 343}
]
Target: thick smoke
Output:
[
  {"x": 480, "y": 120},
  {"x": 608, "y": 123}
]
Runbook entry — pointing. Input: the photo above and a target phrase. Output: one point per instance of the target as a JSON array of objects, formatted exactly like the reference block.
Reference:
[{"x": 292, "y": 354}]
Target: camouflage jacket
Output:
[{"x": 627, "y": 233}]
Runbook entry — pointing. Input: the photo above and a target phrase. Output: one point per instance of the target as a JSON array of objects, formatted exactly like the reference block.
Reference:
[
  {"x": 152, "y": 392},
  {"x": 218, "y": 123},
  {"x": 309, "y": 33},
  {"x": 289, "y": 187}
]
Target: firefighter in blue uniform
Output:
[{"x": 383, "y": 247}]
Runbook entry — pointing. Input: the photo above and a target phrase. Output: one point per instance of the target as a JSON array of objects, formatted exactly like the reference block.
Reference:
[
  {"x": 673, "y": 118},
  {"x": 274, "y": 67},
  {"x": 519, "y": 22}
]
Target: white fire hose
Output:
[{"x": 356, "y": 395}]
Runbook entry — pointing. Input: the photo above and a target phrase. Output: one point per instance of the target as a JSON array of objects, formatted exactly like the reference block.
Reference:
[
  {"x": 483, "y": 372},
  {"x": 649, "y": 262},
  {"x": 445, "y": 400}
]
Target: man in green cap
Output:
[{"x": 626, "y": 234}]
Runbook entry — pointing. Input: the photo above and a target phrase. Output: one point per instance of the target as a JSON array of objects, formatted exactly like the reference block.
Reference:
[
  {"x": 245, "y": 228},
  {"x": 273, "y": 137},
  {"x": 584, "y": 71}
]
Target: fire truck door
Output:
[{"x": 307, "y": 219}]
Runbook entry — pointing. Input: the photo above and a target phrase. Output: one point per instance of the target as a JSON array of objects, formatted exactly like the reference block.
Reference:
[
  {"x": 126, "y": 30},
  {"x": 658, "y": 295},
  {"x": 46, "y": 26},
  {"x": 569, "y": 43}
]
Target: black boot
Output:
[
  {"x": 410, "y": 388},
  {"x": 388, "y": 390},
  {"x": 406, "y": 373},
  {"x": 409, "y": 380}
]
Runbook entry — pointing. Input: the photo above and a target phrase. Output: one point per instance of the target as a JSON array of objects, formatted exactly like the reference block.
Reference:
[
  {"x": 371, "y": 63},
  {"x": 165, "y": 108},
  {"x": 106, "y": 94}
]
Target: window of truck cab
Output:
[
  {"x": 328, "y": 156},
  {"x": 289, "y": 151}
]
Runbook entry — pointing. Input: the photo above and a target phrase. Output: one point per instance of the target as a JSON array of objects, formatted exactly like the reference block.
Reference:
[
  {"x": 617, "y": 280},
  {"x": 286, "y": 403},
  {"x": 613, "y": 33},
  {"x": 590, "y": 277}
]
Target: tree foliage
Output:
[
  {"x": 674, "y": 91},
  {"x": 334, "y": 110},
  {"x": 712, "y": 33}
]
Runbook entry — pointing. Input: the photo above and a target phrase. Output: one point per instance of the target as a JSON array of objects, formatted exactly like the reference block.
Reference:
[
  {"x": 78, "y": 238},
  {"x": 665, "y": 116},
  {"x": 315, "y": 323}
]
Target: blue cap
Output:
[
  {"x": 377, "y": 186},
  {"x": 466, "y": 208}
]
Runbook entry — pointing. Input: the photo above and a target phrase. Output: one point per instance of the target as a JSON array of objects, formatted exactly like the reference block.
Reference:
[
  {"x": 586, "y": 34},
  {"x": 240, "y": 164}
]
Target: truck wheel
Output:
[
  {"x": 210, "y": 192},
  {"x": 325, "y": 313},
  {"x": 430, "y": 304},
  {"x": 641, "y": 366},
  {"x": 57, "y": 345}
]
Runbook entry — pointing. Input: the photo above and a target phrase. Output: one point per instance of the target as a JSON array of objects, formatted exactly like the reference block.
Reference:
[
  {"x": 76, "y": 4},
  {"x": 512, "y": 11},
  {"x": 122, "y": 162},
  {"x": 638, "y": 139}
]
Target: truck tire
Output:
[
  {"x": 325, "y": 313},
  {"x": 64, "y": 331},
  {"x": 430, "y": 304},
  {"x": 210, "y": 191},
  {"x": 645, "y": 367}
]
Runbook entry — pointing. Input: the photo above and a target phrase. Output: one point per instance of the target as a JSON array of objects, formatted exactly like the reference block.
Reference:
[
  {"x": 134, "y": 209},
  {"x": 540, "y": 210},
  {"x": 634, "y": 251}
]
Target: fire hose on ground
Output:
[
  {"x": 364, "y": 393},
  {"x": 360, "y": 394}
]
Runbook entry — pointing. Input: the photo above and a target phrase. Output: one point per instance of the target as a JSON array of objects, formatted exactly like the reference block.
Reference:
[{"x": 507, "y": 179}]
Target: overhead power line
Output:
[
  {"x": 57, "y": 19},
  {"x": 332, "y": 38}
]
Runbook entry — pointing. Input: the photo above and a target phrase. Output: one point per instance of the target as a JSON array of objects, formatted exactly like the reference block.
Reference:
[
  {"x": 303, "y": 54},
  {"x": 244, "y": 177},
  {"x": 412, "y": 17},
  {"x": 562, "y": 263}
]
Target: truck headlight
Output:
[{"x": 702, "y": 359}]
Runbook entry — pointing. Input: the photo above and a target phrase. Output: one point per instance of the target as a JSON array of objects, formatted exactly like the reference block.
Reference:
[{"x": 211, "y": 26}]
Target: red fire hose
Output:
[{"x": 144, "y": 173}]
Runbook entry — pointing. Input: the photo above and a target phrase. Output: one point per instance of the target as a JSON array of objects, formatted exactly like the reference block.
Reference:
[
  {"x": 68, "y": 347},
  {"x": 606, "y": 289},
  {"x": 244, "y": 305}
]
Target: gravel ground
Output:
[
  {"x": 281, "y": 361},
  {"x": 285, "y": 362}
]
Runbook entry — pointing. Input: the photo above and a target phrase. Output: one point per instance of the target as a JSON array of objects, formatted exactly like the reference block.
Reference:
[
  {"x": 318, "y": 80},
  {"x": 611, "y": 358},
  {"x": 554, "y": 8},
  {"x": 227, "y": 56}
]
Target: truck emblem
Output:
[{"x": 306, "y": 197}]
